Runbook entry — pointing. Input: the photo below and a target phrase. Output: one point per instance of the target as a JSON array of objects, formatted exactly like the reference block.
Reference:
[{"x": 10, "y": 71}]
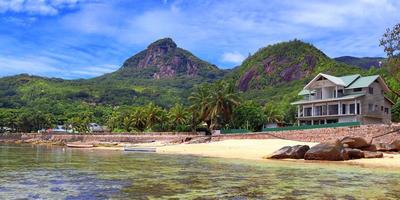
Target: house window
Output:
[
  {"x": 371, "y": 90},
  {"x": 387, "y": 110},
  {"x": 376, "y": 108},
  {"x": 307, "y": 112},
  {"x": 340, "y": 93},
  {"x": 358, "y": 108},
  {"x": 370, "y": 107},
  {"x": 357, "y": 89},
  {"x": 343, "y": 109},
  {"x": 381, "y": 108},
  {"x": 333, "y": 109},
  {"x": 352, "y": 108}
]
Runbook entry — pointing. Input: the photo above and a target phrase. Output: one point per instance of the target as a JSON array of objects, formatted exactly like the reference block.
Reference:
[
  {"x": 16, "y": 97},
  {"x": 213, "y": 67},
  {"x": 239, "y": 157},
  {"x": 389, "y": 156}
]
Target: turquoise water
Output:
[{"x": 43, "y": 172}]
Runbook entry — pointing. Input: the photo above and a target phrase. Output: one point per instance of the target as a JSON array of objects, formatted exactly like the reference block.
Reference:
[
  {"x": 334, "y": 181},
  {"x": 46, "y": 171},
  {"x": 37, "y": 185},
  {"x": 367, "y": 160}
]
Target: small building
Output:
[{"x": 353, "y": 98}]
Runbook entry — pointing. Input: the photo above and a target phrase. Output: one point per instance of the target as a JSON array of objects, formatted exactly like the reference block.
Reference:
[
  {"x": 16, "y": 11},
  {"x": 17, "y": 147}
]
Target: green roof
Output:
[
  {"x": 363, "y": 82},
  {"x": 349, "y": 82},
  {"x": 334, "y": 79},
  {"x": 349, "y": 79}
]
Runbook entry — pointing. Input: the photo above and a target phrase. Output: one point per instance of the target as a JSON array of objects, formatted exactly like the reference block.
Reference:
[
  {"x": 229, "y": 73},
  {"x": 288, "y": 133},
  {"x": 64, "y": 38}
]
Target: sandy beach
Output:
[{"x": 256, "y": 149}]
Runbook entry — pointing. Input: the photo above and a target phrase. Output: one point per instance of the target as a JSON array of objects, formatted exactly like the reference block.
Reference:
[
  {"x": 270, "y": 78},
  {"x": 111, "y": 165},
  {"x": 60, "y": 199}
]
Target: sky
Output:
[{"x": 75, "y": 39}]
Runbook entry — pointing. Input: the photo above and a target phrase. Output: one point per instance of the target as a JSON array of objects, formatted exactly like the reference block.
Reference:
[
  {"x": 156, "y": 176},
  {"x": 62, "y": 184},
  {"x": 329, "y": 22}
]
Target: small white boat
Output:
[
  {"x": 140, "y": 149},
  {"x": 76, "y": 145}
]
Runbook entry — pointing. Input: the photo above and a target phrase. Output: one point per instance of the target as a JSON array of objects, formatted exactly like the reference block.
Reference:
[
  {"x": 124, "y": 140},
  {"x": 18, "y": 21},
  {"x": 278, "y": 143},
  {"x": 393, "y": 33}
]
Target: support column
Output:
[
  {"x": 312, "y": 110},
  {"x": 355, "y": 107},
  {"x": 327, "y": 109},
  {"x": 336, "y": 94}
]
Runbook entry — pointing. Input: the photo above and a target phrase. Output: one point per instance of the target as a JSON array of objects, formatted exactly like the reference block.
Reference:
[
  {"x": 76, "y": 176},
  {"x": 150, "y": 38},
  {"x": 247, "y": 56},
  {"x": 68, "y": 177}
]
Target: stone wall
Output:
[
  {"x": 310, "y": 135},
  {"x": 324, "y": 134},
  {"x": 64, "y": 138}
]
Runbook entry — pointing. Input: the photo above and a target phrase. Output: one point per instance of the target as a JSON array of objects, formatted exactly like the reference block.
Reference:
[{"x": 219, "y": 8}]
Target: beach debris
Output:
[
  {"x": 292, "y": 152},
  {"x": 371, "y": 154},
  {"x": 333, "y": 151},
  {"x": 198, "y": 140},
  {"x": 354, "y": 142},
  {"x": 354, "y": 153}
]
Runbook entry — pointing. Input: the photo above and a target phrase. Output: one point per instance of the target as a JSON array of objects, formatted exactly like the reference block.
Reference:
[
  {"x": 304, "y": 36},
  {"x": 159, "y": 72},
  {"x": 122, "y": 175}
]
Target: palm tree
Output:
[
  {"x": 272, "y": 114},
  {"x": 178, "y": 115},
  {"x": 200, "y": 108},
  {"x": 139, "y": 119},
  {"x": 221, "y": 104},
  {"x": 154, "y": 114}
]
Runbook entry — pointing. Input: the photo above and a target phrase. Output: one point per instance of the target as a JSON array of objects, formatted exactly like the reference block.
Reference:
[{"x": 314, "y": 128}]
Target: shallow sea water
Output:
[{"x": 44, "y": 172}]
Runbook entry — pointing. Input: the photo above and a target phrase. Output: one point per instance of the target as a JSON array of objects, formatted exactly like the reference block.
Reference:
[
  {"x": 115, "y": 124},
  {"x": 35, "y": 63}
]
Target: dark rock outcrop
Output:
[
  {"x": 327, "y": 151},
  {"x": 370, "y": 154},
  {"x": 371, "y": 147},
  {"x": 294, "y": 152},
  {"x": 354, "y": 153},
  {"x": 354, "y": 142}
]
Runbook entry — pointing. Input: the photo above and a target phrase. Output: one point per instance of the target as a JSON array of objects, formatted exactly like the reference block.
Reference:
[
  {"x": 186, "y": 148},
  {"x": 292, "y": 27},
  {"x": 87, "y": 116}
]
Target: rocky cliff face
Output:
[
  {"x": 163, "y": 59},
  {"x": 283, "y": 63}
]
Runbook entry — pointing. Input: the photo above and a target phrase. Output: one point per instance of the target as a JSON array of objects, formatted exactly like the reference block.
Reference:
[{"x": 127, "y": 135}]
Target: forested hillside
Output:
[{"x": 160, "y": 80}]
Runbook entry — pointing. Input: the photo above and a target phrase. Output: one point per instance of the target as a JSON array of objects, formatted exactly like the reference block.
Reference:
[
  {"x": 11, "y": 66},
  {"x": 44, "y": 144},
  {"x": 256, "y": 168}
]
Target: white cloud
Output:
[
  {"x": 233, "y": 57},
  {"x": 41, "y": 7},
  {"x": 94, "y": 71},
  {"x": 32, "y": 65}
]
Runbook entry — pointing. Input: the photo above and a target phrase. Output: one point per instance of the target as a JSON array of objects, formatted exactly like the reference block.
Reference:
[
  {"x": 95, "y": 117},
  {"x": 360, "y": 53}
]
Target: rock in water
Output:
[
  {"x": 370, "y": 154},
  {"x": 354, "y": 153},
  {"x": 295, "y": 152},
  {"x": 327, "y": 151},
  {"x": 354, "y": 142},
  {"x": 282, "y": 153},
  {"x": 298, "y": 151}
]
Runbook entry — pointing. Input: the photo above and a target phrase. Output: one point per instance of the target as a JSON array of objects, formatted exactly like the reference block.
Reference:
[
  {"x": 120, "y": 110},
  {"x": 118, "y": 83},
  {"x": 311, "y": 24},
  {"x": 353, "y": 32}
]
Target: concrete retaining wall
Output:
[
  {"x": 310, "y": 135},
  {"x": 324, "y": 134}
]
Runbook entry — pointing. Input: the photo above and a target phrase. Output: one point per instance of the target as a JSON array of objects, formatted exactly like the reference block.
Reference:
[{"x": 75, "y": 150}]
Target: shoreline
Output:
[{"x": 256, "y": 149}]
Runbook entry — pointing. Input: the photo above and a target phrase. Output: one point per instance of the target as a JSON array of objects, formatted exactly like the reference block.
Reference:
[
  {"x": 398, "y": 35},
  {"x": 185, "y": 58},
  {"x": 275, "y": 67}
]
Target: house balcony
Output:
[{"x": 329, "y": 109}]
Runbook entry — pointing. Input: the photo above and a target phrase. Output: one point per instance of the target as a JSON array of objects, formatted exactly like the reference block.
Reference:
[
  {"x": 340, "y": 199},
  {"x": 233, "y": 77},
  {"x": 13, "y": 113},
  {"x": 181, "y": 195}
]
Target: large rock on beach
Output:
[
  {"x": 354, "y": 142},
  {"x": 395, "y": 145},
  {"x": 294, "y": 152},
  {"x": 354, "y": 153},
  {"x": 371, "y": 147},
  {"x": 371, "y": 154},
  {"x": 333, "y": 151}
]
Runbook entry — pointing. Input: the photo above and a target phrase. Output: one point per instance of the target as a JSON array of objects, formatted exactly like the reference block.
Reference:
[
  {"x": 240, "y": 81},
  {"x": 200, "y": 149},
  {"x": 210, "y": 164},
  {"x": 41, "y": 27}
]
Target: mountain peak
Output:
[
  {"x": 164, "y": 59},
  {"x": 167, "y": 43}
]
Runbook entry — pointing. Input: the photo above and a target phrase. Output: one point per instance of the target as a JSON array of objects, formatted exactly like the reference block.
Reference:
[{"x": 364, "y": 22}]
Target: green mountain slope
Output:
[
  {"x": 166, "y": 74},
  {"x": 163, "y": 73},
  {"x": 364, "y": 62},
  {"x": 276, "y": 73}
]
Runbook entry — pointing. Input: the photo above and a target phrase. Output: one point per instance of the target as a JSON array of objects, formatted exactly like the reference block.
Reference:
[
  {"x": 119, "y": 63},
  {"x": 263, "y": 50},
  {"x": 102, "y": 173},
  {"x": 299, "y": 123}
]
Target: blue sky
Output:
[{"x": 86, "y": 38}]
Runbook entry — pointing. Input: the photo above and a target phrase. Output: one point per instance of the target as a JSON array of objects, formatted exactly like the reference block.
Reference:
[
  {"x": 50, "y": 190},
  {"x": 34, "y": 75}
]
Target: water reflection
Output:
[{"x": 42, "y": 172}]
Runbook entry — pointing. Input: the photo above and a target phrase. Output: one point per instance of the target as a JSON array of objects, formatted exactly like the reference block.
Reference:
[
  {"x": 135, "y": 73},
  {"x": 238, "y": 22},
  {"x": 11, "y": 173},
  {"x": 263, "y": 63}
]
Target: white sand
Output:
[{"x": 256, "y": 149}]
